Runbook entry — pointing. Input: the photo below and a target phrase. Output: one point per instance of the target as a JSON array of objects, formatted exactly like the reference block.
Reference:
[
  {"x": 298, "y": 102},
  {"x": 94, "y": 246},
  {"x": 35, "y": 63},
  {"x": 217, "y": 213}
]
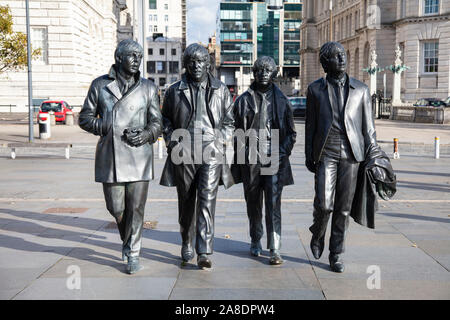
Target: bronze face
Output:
[
  {"x": 197, "y": 66},
  {"x": 130, "y": 62}
]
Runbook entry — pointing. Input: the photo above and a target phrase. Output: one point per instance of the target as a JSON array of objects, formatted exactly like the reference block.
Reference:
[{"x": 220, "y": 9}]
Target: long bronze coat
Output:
[
  {"x": 107, "y": 113},
  {"x": 177, "y": 113},
  {"x": 358, "y": 119},
  {"x": 244, "y": 113}
]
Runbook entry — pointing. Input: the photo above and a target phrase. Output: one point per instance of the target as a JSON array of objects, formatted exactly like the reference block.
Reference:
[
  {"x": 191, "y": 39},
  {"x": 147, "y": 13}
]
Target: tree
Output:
[{"x": 13, "y": 45}]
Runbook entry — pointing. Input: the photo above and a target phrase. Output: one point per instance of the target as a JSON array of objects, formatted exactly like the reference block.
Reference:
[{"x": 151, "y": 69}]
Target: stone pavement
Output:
[{"x": 53, "y": 221}]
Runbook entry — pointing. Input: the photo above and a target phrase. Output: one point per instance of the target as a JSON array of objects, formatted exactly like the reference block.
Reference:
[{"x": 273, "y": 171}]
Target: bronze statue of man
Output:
[
  {"x": 260, "y": 112},
  {"x": 339, "y": 131},
  {"x": 198, "y": 121},
  {"x": 123, "y": 109}
]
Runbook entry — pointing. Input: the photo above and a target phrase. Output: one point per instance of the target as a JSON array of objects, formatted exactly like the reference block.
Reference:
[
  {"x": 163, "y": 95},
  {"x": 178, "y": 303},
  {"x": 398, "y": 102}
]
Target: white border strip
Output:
[{"x": 218, "y": 200}]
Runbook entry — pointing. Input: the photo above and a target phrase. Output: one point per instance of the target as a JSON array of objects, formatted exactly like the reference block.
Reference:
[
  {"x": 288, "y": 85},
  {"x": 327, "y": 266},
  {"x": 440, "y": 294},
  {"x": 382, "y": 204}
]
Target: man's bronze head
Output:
[
  {"x": 333, "y": 58},
  {"x": 128, "y": 56},
  {"x": 264, "y": 70},
  {"x": 196, "y": 61}
]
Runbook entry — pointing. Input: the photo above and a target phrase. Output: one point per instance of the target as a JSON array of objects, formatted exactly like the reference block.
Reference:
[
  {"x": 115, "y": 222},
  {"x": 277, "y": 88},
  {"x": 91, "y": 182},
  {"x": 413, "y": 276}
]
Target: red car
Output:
[{"x": 59, "y": 107}]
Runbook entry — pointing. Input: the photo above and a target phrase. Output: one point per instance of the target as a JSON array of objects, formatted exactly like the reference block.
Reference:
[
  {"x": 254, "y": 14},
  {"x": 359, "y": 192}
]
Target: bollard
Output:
[
  {"x": 52, "y": 118},
  {"x": 44, "y": 126},
  {"x": 396, "y": 153},
  {"x": 436, "y": 147},
  {"x": 160, "y": 148},
  {"x": 69, "y": 118}
]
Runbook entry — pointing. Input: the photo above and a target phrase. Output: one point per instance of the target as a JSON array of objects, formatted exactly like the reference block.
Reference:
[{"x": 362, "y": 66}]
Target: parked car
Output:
[
  {"x": 429, "y": 102},
  {"x": 59, "y": 107},
  {"x": 447, "y": 102},
  {"x": 298, "y": 106}
]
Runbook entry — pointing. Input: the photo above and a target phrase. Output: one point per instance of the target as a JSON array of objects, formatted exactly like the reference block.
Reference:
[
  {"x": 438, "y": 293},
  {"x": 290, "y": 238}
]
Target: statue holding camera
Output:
[{"x": 123, "y": 109}]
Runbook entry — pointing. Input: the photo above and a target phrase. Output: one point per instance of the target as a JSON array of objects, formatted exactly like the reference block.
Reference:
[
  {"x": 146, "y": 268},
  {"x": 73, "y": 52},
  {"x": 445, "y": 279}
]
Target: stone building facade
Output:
[
  {"x": 163, "y": 61},
  {"x": 421, "y": 28},
  {"x": 77, "y": 39}
]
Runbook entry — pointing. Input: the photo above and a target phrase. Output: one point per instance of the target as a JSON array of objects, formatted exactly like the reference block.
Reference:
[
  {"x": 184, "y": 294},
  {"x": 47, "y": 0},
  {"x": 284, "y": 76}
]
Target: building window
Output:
[
  {"x": 430, "y": 57},
  {"x": 40, "y": 41},
  {"x": 150, "y": 28},
  {"x": 150, "y": 51},
  {"x": 431, "y": 6},
  {"x": 155, "y": 28},
  {"x": 161, "y": 51},
  {"x": 167, "y": 30},
  {"x": 155, "y": 17},
  {"x": 152, "y": 4},
  {"x": 161, "y": 67},
  {"x": 166, "y": 6},
  {"x": 150, "y": 17},
  {"x": 173, "y": 67},
  {"x": 151, "y": 67},
  {"x": 166, "y": 18},
  {"x": 174, "y": 52}
]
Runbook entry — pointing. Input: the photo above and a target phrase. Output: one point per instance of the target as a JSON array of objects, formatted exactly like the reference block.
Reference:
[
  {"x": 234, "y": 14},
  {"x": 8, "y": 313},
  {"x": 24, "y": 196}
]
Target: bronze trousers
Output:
[
  {"x": 271, "y": 189},
  {"x": 126, "y": 203},
  {"x": 335, "y": 183},
  {"x": 196, "y": 208}
]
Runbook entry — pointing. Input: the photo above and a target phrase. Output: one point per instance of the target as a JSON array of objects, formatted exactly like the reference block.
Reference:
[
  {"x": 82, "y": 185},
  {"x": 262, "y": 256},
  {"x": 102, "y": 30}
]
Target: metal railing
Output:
[
  {"x": 7, "y": 107},
  {"x": 385, "y": 108}
]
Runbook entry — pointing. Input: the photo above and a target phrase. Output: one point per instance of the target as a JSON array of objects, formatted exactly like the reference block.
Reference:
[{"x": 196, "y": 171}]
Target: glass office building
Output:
[
  {"x": 236, "y": 33},
  {"x": 249, "y": 30}
]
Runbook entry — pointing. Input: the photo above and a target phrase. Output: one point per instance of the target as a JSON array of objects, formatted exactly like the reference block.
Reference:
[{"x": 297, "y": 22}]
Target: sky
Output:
[{"x": 201, "y": 20}]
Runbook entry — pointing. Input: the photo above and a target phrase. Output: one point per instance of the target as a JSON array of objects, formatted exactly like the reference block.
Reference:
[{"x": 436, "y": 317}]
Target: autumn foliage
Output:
[{"x": 13, "y": 45}]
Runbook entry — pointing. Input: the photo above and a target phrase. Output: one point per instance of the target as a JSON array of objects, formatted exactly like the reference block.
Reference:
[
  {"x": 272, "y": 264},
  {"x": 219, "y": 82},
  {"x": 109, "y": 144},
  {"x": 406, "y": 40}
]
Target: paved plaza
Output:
[{"x": 54, "y": 226}]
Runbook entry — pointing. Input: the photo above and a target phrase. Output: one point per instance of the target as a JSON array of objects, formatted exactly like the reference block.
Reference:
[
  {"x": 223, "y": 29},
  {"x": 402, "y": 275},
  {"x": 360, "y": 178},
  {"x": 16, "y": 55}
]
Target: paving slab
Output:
[{"x": 99, "y": 288}]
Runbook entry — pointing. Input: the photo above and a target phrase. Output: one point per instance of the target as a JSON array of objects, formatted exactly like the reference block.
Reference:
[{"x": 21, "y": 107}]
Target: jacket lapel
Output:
[
  {"x": 113, "y": 87},
  {"x": 186, "y": 94},
  {"x": 279, "y": 105},
  {"x": 214, "y": 84},
  {"x": 351, "y": 92}
]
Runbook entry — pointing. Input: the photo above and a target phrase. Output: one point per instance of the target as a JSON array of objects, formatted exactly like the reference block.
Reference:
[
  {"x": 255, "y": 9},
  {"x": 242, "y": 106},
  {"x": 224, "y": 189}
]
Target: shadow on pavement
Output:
[
  {"x": 440, "y": 174},
  {"x": 415, "y": 217},
  {"x": 225, "y": 246},
  {"x": 423, "y": 186}
]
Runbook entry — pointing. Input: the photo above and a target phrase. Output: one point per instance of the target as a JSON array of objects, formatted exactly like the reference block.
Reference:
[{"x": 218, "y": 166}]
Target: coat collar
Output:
[
  {"x": 212, "y": 82},
  {"x": 278, "y": 98},
  {"x": 113, "y": 86},
  {"x": 352, "y": 86},
  {"x": 351, "y": 81}
]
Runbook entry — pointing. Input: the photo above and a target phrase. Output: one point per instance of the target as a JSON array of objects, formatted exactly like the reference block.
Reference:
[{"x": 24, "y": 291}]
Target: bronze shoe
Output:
[
  {"x": 203, "y": 261},
  {"x": 317, "y": 246},
  {"x": 336, "y": 263},
  {"x": 133, "y": 265},
  {"x": 187, "y": 253},
  {"x": 275, "y": 258},
  {"x": 255, "y": 248}
]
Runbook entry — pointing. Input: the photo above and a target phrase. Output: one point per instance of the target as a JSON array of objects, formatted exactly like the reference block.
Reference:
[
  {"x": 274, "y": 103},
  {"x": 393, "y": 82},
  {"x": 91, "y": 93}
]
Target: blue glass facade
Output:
[
  {"x": 236, "y": 34},
  {"x": 239, "y": 42}
]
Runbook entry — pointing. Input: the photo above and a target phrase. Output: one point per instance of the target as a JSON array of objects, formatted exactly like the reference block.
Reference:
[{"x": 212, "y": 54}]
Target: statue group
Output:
[{"x": 200, "y": 123}]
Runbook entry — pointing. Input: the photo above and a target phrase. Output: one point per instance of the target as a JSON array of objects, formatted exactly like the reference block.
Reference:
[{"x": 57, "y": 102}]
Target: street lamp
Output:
[
  {"x": 331, "y": 20},
  {"x": 30, "y": 83}
]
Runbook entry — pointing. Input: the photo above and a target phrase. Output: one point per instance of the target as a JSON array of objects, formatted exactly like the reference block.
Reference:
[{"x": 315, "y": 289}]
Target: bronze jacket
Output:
[
  {"x": 177, "y": 113},
  {"x": 244, "y": 114},
  {"x": 358, "y": 119},
  {"x": 107, "y": 113},
  {"x": 375, "y": 176}
]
